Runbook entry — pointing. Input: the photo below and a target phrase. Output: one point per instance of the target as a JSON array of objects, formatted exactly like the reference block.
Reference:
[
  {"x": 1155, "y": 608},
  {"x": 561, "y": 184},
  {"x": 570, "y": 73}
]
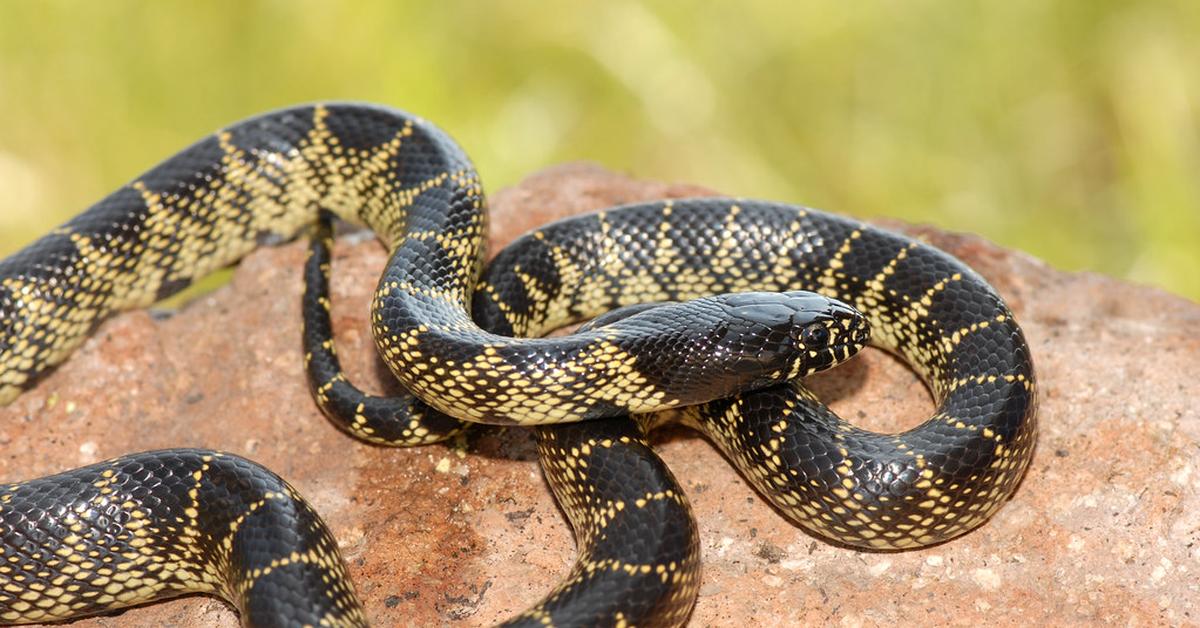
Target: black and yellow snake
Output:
[{"x": 726, "y": 279}]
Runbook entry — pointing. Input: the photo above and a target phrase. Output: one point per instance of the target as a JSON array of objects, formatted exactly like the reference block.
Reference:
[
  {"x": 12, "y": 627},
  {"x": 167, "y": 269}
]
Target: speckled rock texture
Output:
[{"x": 1104, "y": 529}]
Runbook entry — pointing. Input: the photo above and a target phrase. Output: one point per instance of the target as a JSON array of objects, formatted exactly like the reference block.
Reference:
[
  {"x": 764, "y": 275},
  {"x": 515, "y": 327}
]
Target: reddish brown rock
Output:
[{"x": 1105, "y": 528}]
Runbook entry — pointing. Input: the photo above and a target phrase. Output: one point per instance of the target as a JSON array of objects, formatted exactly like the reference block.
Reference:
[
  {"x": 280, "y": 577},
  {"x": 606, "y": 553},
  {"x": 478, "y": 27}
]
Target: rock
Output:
[{"x": 1105, "y": 528}]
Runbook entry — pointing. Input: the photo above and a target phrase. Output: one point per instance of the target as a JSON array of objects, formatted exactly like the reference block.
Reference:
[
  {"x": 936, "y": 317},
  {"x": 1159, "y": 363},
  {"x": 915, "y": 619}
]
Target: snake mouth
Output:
[
  {"x": 856, "y": 334},
  {"x": 860, "y": 334}
]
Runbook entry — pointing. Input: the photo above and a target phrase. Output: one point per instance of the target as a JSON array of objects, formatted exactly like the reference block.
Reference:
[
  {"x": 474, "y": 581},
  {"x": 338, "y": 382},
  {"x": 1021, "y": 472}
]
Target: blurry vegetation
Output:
[{"x": 1067, "y": 129}]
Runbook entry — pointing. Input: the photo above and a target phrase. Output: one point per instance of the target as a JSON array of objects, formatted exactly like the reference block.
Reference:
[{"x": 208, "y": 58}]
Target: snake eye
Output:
[{"x": 815, "y": 337}]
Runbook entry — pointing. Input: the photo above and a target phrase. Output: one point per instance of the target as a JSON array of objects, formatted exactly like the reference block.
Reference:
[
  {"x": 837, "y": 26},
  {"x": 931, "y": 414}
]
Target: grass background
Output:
[{"x": 1067, "y": 129}]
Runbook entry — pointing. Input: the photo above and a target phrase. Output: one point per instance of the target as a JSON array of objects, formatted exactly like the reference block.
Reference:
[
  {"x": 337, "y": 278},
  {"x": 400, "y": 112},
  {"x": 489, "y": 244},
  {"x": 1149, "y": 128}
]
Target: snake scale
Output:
[{"x": 738, "y": 296}]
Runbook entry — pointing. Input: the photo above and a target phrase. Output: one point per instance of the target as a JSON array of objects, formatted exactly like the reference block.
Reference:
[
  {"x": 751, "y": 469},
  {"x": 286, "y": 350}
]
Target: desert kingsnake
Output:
[{"x": 268, "y": 177}]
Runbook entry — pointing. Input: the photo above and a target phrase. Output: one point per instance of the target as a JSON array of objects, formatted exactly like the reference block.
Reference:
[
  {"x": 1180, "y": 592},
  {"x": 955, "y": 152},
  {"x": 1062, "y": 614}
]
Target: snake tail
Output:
[{"x": 397, "y": 420}]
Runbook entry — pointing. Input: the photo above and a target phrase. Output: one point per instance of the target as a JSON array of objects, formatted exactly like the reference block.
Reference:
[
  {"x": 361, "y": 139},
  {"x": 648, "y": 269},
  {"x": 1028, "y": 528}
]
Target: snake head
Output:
[
  {"x": 828, "y": 334},
  {"x": 721, "y": 345},
  {"x": 792, "y": 334}
]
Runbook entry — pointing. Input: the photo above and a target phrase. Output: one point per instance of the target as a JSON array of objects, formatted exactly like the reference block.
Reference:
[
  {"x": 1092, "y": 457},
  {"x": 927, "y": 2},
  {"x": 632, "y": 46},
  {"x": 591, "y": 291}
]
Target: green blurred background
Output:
[{"x": 1067, "y": 129}]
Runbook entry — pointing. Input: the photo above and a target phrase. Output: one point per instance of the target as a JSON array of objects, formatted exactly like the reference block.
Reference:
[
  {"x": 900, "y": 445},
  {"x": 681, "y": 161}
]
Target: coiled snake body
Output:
[{"x": 460, "y": 342}]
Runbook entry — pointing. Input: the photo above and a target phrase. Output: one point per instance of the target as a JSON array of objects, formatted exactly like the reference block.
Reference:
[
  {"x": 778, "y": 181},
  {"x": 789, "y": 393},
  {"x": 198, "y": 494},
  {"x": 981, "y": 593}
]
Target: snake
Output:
[{"x": 706, "y": 311}]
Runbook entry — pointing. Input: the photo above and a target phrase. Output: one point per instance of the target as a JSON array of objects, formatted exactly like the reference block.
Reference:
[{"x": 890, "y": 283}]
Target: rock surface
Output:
[{"x": 1105, "y": 528}]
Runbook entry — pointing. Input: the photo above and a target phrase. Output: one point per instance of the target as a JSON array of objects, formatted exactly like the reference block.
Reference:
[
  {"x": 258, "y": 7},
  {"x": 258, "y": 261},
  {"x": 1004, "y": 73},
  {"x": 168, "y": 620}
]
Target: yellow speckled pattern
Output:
[
  {"x": 750, "y": 296},
  {"x": 148, "y": 526},
  {"x": 878, "y": 491}
]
